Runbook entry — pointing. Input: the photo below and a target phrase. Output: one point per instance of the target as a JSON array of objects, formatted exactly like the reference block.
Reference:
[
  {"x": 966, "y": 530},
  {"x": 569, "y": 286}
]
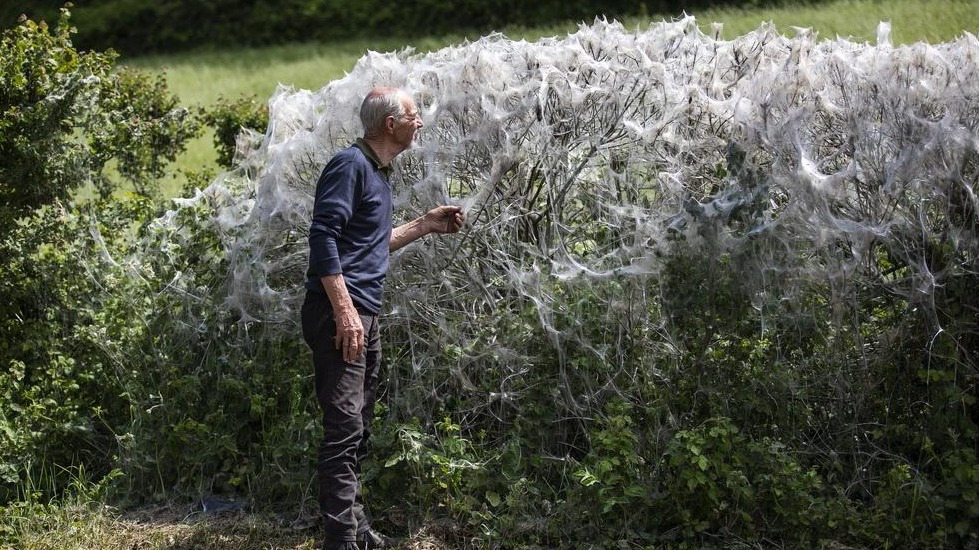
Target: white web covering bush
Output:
[{"x": 580, "y": 159}]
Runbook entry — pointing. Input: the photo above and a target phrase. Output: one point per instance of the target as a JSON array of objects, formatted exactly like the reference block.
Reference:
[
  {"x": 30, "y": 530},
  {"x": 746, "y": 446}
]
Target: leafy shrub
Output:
[
  {"x": 65, "y": 114},
  {"x": 65, "y": 118},
  {"x": 718, "y": 480},
  {"x": 431, "y": 469},
  {"x": 61, "y": 391},
  {"x": 616, "y": 464},
  {"x": 616, "y": 475},
  {"x": 47, "y": 92},
  {"x": 229, "y": 119}
]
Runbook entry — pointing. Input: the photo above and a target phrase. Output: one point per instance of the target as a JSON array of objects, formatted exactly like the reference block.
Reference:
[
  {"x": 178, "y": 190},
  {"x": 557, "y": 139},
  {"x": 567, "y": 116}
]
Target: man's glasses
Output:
[{"x": 411, "y": 117}]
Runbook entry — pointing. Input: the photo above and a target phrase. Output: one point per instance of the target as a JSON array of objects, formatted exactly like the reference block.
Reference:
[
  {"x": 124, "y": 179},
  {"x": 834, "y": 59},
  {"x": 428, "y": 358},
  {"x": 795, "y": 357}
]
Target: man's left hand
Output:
[{"x": 445, "y": 219}]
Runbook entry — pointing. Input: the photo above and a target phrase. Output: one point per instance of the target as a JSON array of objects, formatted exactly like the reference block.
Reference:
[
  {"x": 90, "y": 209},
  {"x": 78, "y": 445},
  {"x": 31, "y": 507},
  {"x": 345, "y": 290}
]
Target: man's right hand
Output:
[{"x": 350, "y": 333}]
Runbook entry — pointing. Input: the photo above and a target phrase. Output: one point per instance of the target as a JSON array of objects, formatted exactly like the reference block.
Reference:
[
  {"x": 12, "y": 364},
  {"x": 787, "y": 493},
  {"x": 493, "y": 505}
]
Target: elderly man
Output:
[{"x": 350, "y": 239}]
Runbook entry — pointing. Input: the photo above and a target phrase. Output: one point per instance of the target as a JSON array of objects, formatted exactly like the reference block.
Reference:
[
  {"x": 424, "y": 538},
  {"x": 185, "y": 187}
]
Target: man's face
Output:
[{"x": 406, "y": 125}]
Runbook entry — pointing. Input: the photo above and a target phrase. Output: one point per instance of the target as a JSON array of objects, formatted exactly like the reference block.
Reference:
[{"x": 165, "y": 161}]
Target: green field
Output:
[{"x": 202, "y": 78}]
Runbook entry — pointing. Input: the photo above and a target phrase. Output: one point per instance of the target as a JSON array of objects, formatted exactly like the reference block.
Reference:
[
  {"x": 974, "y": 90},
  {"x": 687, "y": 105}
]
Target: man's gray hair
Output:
[{"x": 379, "y": 104}]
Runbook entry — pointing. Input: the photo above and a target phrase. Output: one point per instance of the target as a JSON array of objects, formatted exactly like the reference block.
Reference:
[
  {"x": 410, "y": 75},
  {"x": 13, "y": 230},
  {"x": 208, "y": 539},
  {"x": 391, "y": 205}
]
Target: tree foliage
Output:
[
  {"x": 68, "y": 120},
  {"x": 65, "y": 115},
  {"x": 229, "y": 118}
]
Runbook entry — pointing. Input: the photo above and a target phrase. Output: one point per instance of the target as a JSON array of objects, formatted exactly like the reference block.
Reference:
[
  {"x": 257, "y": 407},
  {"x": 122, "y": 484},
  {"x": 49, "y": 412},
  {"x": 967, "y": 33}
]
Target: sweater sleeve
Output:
[{"x": 336, "y": 194}]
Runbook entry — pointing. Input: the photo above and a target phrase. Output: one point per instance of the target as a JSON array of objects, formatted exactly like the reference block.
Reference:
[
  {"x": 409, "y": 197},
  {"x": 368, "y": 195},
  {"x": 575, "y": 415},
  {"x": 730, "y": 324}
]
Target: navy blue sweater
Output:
[{"x": 351, "y": 229}]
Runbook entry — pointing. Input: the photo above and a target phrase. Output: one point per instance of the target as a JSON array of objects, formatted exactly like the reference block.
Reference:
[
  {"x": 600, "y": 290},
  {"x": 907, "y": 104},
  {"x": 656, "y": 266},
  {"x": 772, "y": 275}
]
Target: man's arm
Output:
[
  {"x": 332, "y": 208},
  {"x": 441, "y": 219}
]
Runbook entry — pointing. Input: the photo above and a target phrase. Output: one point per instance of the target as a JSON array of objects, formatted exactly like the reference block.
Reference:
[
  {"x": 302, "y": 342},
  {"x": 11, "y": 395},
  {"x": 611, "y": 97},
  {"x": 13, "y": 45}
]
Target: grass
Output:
[
  {"x": 931, "y": 21},
  {"x": 94, "y": 526},
  {"x": 90, "y": 527}
]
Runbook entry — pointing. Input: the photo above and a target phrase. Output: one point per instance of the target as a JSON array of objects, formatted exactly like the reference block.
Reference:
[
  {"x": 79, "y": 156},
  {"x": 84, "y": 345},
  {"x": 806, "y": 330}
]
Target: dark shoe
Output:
[{"x": 371, "y": 539}]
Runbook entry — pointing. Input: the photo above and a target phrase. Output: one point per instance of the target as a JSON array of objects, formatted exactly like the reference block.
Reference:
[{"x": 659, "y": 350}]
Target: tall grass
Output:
[{"x": 201, "y": 78}]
